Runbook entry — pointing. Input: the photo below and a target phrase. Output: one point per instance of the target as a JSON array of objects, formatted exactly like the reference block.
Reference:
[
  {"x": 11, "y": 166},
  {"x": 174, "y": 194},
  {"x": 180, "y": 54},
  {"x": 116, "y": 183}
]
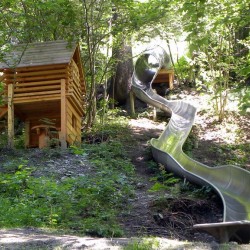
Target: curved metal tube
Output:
[{"x": 230, "y": 182}]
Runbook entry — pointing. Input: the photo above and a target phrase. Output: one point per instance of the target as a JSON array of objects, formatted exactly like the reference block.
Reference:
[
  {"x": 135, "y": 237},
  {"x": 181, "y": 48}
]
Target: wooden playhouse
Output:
[
  {"x": 163, "y": 81},
  {"x": 44, "y": 87}
]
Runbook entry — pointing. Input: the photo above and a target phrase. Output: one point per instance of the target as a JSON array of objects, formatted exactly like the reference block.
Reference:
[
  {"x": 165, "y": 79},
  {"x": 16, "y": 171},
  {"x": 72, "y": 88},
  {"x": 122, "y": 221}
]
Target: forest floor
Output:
[{"x": 172, "y": 228}]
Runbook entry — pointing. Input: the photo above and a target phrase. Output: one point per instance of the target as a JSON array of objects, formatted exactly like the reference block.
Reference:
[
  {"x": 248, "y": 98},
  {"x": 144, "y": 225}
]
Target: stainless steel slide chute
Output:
[{"x": 230, "y": 182}]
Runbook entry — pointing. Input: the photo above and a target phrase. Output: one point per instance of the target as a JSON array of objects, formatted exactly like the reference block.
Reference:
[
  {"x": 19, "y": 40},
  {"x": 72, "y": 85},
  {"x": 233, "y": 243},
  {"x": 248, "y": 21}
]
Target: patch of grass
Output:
[{"x": 143, "y": 244}]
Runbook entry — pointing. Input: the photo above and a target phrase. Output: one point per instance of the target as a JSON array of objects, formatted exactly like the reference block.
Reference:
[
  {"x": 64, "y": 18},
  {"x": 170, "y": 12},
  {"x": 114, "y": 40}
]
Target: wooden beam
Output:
[
  {"x": 35, "y": 94},
  {"x": 51, "y": 71},
  {"x": 49, "y": 82},
  {"x": 37, "y": 89},
  {"x": 77, "y": 105},
  {"x": 34, "y": 78},
  {"x": 10, "y": 116},
  {"x": 63, "y": 132},
  {"x": 37, "y": 99},
  {"x": 165, "y": 76},
  {"x": 132, "y": 103},
  {"x": 42, "y": 67}
]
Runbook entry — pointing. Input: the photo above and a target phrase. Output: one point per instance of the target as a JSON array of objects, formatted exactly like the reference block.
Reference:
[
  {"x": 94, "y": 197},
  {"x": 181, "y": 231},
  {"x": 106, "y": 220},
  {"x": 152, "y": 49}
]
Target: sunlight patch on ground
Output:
[
  {"x": 25, "y": 239},
  {"x": 147, "y": 124},
  {"x": 228, "y": 131},
  {"x": 22, "y": 238}
]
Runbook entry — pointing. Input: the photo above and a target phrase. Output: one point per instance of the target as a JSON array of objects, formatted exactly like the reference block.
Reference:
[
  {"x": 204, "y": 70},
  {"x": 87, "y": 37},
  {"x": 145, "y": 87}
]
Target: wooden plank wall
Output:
[
  {"x": 34, "y": 84},
  {"x": 74, "y": 105},
  {"x": 73, "y": 125},
  {"x": 165, "y": 76},
  {"x": 74, "y": 88}
]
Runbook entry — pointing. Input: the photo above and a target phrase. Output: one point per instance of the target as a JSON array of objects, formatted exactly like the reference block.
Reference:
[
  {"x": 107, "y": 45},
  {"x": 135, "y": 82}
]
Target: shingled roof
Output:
[{"x": 36, "y": 54}]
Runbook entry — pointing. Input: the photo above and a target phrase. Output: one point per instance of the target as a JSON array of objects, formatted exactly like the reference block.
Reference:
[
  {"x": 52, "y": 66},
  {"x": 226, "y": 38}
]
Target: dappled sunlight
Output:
[
  {"x": 233, "y": 130},
  {"x": 37, "y": 239},
  {"x": 147, "y": 124}
]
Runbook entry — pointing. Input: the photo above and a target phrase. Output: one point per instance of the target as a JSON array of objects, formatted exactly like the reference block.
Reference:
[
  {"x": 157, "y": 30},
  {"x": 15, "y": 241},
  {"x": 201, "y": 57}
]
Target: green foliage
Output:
[
  {"x": 108, "y": 130},
  {"x": 183, "y": 68},
  {"x": 42, "y": 20},
  {"x": 13, "y": 165},
  {"x": 164, "y": 180},
  {"x": 239, "y": 153},
  {"x": 87, "y": 204},
  {"x": 244, "y": 101},
  {"x": 143, "y": 244},
  {"x": 20, "y": 141},
  {"x": 215, "y": 40},
  {"x": 111, "y": 157},
  {"x": 194, "y": 191},
  {"x": 189, "y": 144},
  {"x": 76, "y": 150}
]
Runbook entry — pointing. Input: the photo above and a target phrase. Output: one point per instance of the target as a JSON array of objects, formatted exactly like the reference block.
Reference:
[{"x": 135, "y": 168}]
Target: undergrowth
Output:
[
  {"x": 165, "y": 181},
  {"x": 87, "y": 204}
]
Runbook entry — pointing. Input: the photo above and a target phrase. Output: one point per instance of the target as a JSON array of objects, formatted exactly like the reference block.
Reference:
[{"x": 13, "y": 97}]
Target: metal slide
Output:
[{"x": 230, "y": 182}]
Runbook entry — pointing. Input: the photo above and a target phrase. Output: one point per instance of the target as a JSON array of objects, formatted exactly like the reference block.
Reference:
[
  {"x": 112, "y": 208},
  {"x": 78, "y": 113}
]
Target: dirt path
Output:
[{"x": 140, "y": 219}]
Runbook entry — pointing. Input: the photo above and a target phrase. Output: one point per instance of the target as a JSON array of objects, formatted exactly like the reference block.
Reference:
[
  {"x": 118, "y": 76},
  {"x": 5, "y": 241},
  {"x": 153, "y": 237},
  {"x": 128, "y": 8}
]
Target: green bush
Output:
[
  {"x": 88, "y": 204},
  {"x": 183, "y": 68}
]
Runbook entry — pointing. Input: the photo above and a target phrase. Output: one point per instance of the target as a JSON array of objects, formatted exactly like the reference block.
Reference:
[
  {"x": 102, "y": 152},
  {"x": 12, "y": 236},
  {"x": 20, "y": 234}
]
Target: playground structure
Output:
[
  {"x": 163, "y": 81},
  {"x": 44, "y": 87},
  {"x": 230, "y": 182}
]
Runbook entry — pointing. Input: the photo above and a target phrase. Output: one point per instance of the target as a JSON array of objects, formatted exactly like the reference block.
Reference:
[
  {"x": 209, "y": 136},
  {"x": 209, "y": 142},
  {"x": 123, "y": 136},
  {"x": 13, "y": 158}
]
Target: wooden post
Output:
[
  {"x": 27, "y": 133},
  {"x": 132, "y": 103},
  {"x": 63, "y": 115},
  {"x": 154, "y": 110},
  {"x": 171, "y": 79},
  {"x": 10, "y": 116},
  {"x": 154, "y": 114}
]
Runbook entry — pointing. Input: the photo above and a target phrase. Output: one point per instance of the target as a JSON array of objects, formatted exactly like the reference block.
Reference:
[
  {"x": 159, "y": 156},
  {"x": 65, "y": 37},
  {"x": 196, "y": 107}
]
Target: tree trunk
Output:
[{"x": 121, "y": 80}]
